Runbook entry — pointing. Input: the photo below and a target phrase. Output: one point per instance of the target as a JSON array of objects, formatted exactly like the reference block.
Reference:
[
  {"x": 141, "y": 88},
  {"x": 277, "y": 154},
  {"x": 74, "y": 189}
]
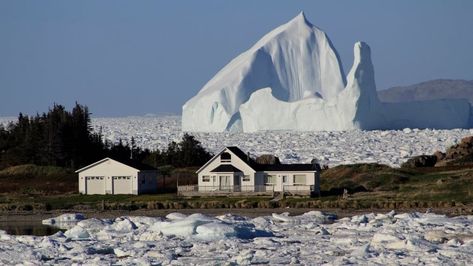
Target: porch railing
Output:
[
  {"x": 290, "y": 188},
  {"x": 298, "y": 189},
  {"x": 243, "y": 189}
]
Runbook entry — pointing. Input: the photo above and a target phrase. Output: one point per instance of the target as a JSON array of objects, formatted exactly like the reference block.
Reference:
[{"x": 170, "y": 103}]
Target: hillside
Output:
[
  {"x": 374, "y": 182},
  {"x": 429, "y": 90}
]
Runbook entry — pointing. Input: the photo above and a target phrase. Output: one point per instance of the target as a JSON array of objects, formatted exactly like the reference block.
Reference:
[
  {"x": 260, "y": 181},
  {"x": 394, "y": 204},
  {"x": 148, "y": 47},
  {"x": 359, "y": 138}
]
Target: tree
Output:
[
  {"x": 191, "y": 152},
  {"x": 65, "y": 138},
  {"x": 165, "y": 170}
]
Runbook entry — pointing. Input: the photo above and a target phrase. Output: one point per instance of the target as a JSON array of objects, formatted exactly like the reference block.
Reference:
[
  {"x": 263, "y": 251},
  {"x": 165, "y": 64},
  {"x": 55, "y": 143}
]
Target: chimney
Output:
[{"x": 248, "y": 156}]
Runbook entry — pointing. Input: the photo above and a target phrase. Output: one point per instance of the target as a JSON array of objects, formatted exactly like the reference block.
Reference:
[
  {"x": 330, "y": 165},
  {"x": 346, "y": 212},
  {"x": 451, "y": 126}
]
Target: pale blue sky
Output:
[{"x": 136, "y": 57}]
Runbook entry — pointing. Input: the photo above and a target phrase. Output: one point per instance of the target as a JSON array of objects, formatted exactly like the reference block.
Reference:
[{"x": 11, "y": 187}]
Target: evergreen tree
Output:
[{"x": 63, "y": 138}]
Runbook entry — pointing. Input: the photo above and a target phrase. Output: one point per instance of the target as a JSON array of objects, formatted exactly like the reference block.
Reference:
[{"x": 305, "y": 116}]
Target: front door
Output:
[
  {"x": 279, "y": 186},
  {"x": 225, "y": 182},
  {"x": 237, "y": 182}
]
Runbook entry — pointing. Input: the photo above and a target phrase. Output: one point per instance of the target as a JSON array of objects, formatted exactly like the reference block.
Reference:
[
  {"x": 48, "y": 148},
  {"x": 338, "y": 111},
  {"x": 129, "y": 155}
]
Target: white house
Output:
[
  {"x": 232, "y": 171},
  {"x": 109, "y": 176}
]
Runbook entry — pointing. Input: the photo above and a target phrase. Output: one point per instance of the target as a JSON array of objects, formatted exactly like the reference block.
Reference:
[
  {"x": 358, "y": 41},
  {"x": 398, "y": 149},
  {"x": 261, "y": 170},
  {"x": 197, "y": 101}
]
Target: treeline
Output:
[{"x": 65, "y": 138}]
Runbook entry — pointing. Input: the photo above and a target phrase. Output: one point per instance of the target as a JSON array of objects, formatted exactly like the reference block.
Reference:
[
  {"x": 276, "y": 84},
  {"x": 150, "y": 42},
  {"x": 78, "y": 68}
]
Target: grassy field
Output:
[
  {"x": 32, "y": 180},
  {"x": 380, "y": 182}
]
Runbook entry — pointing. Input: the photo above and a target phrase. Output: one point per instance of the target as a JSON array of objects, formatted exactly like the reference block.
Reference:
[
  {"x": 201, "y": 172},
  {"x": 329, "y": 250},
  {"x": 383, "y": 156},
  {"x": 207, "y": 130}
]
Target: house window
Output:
[
  {"x": 245, "y": 178},
  {"x": 299, "y": 180},
  {"x": 270, "y": 179},
  {"x": 225, "y": 157},
  {"x": 120, "y": 177},
  {"x": 93, "y": 177},
  {"x": 205, "y": 178}
]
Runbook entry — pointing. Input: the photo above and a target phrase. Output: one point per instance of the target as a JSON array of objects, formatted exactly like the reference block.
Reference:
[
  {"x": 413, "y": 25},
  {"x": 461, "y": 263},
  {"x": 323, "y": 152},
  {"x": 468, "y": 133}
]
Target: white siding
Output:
[
  {"x": 310, "y": 179},
  {"x": 214, "y": 177},
  {"x": 256, "y": 180},
  {"x": 125, "y": 181}
]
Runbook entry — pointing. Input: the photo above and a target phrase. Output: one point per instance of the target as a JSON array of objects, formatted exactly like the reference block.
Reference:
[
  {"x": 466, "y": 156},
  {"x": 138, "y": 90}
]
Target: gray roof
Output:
[
  {"x": 226, "y": 168},
  {"x": 288, "y": 167}
]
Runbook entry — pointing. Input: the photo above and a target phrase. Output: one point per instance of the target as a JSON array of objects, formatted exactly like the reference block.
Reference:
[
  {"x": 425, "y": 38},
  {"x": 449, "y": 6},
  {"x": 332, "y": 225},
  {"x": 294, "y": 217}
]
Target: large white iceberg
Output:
[{"x": 292, "y": 79}]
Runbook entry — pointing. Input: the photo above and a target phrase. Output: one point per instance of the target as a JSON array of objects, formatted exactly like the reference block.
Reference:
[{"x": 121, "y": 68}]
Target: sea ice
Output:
[
  {"x": 391, "y": 147},
  {"x": 308, "y": 239}
]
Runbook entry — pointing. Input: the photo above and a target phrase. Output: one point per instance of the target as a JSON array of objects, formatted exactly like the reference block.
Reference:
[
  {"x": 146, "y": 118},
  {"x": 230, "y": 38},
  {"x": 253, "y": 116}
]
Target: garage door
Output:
[
  {"x": 94, "y": 185},
  {"x": 121, "y": 184}
]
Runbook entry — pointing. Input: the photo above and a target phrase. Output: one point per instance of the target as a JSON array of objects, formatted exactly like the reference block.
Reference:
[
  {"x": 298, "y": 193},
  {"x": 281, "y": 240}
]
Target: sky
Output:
[{"x": 123, "y": 58}]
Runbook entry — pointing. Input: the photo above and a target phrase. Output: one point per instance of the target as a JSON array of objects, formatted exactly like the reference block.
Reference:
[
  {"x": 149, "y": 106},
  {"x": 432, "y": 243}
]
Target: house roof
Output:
[
  {"x": 237, "y": 152},
  {"x": 225, "y": 168},
  {"x": 131, "y": 163},
  {"x": 288, "y": 167},
  {"x": 135, "y": 164},
  {"x": 244, "y": 157},
  {"x": 260, "y": 167}
]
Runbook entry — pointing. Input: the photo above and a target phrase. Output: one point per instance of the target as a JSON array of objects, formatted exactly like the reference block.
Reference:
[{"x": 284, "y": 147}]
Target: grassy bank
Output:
[
  {"x": 31, "y": 180},
  {"x": 379, "y": 182},
  {"x": 87, "y": 203},
  {"x": 370, "y": 186}
]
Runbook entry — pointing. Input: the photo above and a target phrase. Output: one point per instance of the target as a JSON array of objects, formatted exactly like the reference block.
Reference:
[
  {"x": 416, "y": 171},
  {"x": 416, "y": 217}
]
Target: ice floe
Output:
[{"x": 312, "y": 238}]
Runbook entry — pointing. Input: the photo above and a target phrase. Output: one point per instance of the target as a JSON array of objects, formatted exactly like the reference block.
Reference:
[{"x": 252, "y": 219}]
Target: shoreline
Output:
[{"x": 14, "y": 216}]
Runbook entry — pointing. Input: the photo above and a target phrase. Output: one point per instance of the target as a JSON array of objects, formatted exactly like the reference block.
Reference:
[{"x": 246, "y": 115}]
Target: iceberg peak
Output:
[
  {"x": 362, "y": 52},
  {"x": 300, "y": 19},
  {"x": 294, "y": 59}
]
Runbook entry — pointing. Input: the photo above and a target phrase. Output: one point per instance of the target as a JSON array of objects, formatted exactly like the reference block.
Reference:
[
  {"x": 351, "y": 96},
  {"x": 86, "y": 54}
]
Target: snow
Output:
[
  {"x": 292, "y": 79},
  {"x": 312, "y": 238}
]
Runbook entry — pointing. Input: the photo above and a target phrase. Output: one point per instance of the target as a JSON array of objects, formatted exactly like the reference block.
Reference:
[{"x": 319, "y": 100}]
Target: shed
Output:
[{"x": 111, "y": 176}]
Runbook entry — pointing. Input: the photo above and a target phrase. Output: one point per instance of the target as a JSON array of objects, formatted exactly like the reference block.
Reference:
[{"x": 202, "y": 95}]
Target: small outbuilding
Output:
[{"x": 110, "y": 176}]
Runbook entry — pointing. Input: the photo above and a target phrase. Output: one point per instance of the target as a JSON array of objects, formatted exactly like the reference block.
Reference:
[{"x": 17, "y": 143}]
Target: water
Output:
[{"x": 32, "y": 228}]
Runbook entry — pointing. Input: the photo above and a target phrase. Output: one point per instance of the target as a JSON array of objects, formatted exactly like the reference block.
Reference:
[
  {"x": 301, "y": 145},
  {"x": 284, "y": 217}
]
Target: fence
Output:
[
  {"x": 195, "y": 190},
  {"x": 267, "y": 190},
  {"x": 299, "y": 189}
]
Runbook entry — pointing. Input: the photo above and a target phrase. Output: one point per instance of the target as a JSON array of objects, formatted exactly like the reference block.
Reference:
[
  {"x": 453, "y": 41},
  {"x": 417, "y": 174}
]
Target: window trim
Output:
[
  {"x": 267, "y": 177},
  {"x": 298, "y": 183}
]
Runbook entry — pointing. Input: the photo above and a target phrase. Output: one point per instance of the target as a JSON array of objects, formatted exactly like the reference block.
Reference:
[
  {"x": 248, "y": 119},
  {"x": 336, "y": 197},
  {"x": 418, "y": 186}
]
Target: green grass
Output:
[
  {"x": 398, "y": 184},
  {"x": 370, "y": 186},
  {"x": 35, "y": 171}
]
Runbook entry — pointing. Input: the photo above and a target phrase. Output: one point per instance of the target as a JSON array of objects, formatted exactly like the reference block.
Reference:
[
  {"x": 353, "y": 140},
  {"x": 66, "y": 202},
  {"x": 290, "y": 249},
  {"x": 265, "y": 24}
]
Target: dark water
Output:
[{"x": 34, "y": 228}]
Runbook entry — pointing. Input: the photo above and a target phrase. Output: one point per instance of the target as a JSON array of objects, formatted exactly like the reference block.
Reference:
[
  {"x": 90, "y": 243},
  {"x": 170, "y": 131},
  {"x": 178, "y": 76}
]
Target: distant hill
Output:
[{"x": 430, "y": 90}]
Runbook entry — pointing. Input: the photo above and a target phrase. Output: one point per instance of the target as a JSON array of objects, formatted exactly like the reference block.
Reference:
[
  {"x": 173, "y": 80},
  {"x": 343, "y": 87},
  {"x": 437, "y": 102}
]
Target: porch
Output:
[
  {"x": 241, "y": 190},
  {"x": 238, "y": 190}
]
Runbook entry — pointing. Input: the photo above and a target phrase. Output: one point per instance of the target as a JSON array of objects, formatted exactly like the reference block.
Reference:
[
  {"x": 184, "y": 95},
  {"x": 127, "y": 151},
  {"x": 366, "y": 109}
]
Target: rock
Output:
[
  {"x": 268, "y": 159},
  {"x": 420, "y": 161},
  {"x": 440, "y": 155},
  {"x": 459, "y": 154}
]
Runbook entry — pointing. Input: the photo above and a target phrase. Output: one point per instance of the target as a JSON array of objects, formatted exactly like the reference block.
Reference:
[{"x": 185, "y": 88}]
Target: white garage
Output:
[{"x": 109, "y": 176}]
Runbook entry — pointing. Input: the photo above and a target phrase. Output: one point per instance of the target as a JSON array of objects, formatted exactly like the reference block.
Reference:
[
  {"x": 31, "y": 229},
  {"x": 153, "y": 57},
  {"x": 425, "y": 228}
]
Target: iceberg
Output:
[{"x": 292, "y": 79}]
